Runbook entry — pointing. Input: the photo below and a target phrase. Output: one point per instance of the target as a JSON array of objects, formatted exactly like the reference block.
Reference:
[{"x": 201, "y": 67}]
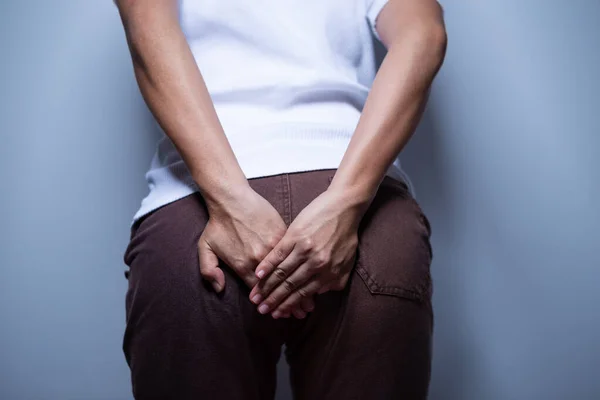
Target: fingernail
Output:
[
  {"x": 257, "y": 298},
  {"x": 260, "y": 274},
  {"x": 263, "y": 309},
  {"x": 276, "y": 314},
  {"x": 217, "y": 287}
]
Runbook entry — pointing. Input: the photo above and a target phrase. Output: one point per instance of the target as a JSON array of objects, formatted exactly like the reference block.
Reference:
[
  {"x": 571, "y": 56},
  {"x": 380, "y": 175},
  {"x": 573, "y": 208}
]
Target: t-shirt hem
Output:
[{"x": 299, "y": 151}]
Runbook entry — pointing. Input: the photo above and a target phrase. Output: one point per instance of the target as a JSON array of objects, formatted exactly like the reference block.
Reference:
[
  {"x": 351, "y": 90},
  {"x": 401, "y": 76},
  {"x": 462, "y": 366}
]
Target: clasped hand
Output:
[{"x": 286, "y": 268}]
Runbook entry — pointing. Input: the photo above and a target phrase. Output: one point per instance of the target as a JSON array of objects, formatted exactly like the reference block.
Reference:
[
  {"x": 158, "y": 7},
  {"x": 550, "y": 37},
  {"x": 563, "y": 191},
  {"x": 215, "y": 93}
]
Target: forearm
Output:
[
  {"x": 393, "y": 109},
  {"x": 176, "y": 94}
]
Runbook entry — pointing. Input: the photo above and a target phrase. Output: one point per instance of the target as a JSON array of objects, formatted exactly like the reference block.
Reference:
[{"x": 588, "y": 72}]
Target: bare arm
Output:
[
  {"x": 243, "y": 227},
  {"x": 176, "y": 94},
  {"x": 413, "y": 32},
  {"x": 318, "y": 250}
]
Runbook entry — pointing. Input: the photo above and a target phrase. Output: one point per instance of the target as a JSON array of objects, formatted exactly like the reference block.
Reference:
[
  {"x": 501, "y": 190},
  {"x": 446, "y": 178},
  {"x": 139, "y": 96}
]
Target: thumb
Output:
[{"x": 209, "y": 266}]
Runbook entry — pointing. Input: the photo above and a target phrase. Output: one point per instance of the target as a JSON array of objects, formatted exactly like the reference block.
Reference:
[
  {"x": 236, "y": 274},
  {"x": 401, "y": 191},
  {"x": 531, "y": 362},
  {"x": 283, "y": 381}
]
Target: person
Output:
[{"x": 278, "y": 213}]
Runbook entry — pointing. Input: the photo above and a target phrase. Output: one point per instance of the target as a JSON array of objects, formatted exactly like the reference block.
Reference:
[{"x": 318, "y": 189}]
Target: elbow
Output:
[
  {"x": 439, "y": 40},
  {"x": 426, "y": 38},
  {"x": 432, "y": 33},
  {"x": 437, "y": 37},
  {"x": 431, "y": 40},
  {"x": 124, "y": 4}
]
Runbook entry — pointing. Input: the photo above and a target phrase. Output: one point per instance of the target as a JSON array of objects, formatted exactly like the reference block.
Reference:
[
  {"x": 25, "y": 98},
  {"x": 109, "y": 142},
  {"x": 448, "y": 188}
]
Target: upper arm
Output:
[
  {"x": 130, "y": 8},
  {"x": 395, "y": 18}
]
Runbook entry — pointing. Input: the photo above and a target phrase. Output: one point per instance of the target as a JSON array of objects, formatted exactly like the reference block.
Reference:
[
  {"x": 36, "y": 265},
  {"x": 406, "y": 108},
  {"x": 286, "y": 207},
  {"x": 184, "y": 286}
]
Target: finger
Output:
[
  {"x": 276, "y": 275},
  {"x": 299, "y": 313},
  {"x": 275, "y": 257},
  {"x": 305, "y": 292},
  {"x": 283, "y": 288},
  {"x": 308, "y": 304},
  {"x": 288, "y": 314},
  {"x": 247, "y": 274},
  {"x": 209, "y": 266}
]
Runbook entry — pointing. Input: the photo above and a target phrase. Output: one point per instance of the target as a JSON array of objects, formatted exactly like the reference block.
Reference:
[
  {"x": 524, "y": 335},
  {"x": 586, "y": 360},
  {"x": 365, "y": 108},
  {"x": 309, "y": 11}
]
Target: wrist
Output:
[
  {"x": 354, "y": 199},
  {"x": 223, "y": 195},
  {"x": 356, "y": 191}
]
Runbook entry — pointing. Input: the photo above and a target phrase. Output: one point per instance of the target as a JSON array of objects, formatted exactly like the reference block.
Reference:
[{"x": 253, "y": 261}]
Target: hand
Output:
[
  {"x": 241, "y": 232},
  {"x": 315, "y": 255}
]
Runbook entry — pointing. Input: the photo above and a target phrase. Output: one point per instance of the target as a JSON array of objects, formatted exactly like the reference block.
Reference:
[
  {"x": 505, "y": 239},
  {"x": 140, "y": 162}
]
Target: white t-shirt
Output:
[{"x": 288, "y": 79}]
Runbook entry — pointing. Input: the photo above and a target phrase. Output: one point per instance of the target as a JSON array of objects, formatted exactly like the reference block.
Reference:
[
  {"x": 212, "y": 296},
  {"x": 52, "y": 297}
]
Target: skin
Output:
[
  {"x": 285, "y": 268},
  {"x": 317, "y": 252},
  {"x": 242, "y": 227}
]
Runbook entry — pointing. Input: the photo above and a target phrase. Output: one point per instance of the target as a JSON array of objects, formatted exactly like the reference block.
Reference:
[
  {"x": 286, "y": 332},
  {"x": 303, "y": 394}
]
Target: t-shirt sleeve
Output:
[{"x": 373, "y": 9}]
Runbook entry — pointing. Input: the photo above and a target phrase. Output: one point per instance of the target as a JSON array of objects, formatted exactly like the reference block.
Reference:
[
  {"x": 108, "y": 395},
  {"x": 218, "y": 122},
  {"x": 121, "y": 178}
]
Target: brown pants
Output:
[{"x": 371, "y": 341}]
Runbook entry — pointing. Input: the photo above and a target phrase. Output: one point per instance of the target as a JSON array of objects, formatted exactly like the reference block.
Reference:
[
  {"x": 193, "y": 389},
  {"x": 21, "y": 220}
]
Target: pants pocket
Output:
[{"x": 394, "y": 252}]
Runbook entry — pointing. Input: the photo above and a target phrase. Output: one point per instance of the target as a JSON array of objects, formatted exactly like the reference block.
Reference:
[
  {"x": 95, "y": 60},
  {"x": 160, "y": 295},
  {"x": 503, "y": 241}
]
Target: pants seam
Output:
[{"x": 287, "y": 201}]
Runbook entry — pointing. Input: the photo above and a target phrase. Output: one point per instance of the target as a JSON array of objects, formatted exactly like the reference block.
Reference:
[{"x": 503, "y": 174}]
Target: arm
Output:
[
  {"x": 414, "y": 34},
  {"x": 176, "y": 94},
  {"x": 243, "y": 227},
  {"x": 318, "y": 250}
]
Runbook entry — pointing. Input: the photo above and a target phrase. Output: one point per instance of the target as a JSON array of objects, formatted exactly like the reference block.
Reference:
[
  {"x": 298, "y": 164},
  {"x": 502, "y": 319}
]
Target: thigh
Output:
[
  {"x": 373, "y": 340},
  {"x": 183, "y": 340}
]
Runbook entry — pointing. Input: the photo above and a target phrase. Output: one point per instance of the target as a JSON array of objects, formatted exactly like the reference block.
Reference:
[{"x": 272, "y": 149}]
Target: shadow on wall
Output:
[
  {"x": 152, "y": 129},
  {"x": 425, "y": 162}
]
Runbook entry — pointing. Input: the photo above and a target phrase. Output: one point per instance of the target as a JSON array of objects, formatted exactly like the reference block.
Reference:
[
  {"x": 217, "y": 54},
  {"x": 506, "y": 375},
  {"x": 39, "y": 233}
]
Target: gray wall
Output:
[
  {"x": 504, "y": 164},
  {"x": 507, "y": 166}
]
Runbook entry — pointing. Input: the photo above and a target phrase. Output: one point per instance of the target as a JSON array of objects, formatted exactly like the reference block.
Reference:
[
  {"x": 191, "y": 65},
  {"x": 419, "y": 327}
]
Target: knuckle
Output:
[
  {"x": 321, "y": 259},
  {"x": 272, "y": 242},
  {"x": 255, "y": 256},
  {"x": 273, "y": 301},
  {"x": 289, "y": 285},
  {"x": 279, "y": 254},
  {"x": 239, "y": 265},
  {"x": 279, "y": 274},
  {"x": 303, "y": 293},
  {"x": 307, "y": 243}
]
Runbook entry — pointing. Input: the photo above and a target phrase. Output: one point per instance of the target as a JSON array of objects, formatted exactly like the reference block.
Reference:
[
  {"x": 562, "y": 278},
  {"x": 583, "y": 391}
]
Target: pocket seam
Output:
[{"x": 375, "y": 288}]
